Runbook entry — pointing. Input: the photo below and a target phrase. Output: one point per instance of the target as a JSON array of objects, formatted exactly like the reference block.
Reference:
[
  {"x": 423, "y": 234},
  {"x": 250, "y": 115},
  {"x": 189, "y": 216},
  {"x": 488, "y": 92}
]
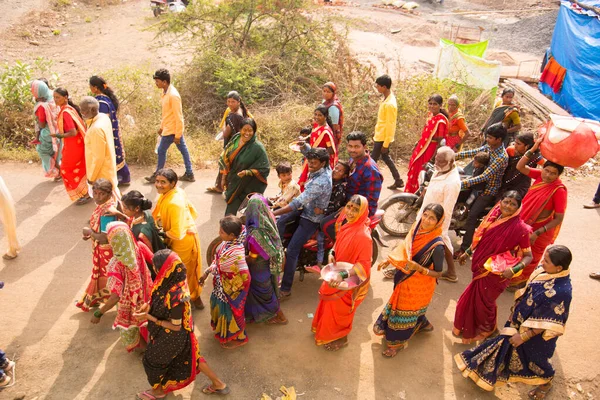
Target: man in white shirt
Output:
[{"x": 444, "y": 189}]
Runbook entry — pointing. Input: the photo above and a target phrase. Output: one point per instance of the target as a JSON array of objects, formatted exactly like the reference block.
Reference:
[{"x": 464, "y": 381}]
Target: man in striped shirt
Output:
[{"x": 492, "y": 176}]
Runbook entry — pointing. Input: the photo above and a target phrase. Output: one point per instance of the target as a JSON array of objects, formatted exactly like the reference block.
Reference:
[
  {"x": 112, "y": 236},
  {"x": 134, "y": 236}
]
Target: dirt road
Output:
[{"x": 60, "y": 355}]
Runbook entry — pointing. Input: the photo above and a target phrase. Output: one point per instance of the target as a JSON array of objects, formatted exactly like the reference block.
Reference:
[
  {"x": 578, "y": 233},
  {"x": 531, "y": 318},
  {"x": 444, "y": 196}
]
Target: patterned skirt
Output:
[
  {"x": 262, "y": 303},
  {"x": 97, "y": 292}
]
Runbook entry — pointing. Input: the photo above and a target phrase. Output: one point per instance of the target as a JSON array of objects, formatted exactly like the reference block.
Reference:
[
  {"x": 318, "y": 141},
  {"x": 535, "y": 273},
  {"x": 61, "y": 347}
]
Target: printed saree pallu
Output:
[
  {"x": 231, "y": 282},
  {"x": 543, "y": 304},
  {"x": 97, "y": 292},
  {"x": 476, "y": 310},
  {"x": 404, "y": 314},
  {"x": 72, "y": 165},
  {"x": 321, "y": 136},
  {"x": 335, "y": 311},
  {"x": 436, "y": 127},
  {"x": 172, "y": 358}
]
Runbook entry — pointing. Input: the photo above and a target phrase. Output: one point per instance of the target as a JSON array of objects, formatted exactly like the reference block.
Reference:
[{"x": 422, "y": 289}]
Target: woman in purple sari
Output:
[{"x": 265, "y": 260}]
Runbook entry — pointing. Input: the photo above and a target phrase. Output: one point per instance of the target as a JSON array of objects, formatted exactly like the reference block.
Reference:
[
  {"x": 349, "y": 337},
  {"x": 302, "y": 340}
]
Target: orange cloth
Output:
[
  {"x": 335, "y": 312},
  {"x": 553, "y": 75},
  {"x": 172, "y": 113}
]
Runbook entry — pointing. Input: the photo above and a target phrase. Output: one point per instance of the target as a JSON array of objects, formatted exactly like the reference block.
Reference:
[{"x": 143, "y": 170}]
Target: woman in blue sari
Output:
[
  {"x": 522, "y": 351},
  {"x": 109, "y": 104}
]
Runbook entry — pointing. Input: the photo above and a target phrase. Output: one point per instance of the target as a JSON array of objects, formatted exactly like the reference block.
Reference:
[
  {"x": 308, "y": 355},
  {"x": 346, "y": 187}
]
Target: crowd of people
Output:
[{"x": 148, "y": 263}]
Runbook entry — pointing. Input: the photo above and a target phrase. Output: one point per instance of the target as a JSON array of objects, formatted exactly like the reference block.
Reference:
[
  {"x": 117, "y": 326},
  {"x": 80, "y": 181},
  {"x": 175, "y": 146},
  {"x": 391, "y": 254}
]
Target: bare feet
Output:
[
  {"x": 540, "y": 392},
  {"x": 199, "y": 304},
  {"x": 337, "y": 344},
  {"x": 233, "y": 345},
  {"x": 391, "y": 352}
]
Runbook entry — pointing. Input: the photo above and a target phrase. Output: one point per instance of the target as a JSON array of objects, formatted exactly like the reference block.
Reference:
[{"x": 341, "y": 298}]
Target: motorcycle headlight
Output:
[{"x": 421, "y": 177}]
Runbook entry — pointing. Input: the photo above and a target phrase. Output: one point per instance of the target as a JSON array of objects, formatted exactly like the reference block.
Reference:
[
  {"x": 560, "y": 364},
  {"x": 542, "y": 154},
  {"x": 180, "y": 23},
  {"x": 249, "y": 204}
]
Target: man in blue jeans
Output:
[
  {"x": 317, "y": 191},
  {"x": 595, "y": 201},
  {"x": 171, "y": 126}
]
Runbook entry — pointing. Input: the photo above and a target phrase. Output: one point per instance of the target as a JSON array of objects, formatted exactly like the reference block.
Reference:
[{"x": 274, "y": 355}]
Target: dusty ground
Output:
[{"x": 60, "y": 355}]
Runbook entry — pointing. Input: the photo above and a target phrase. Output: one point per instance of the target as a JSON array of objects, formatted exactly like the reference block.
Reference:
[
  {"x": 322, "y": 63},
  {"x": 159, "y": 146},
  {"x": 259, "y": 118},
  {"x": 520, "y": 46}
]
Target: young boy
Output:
[
  {"x": 288, "y": 188},
  {"x": 480, "y": 162},
  {"x": 337, "y": 200}
]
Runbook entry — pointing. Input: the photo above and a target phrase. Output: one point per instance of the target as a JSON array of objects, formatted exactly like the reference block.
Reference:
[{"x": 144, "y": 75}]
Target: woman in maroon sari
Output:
[
  {"x": 335, "y": 110},
  {"x": 434, "y": 131},
  {"x": 500, "y": 250}
]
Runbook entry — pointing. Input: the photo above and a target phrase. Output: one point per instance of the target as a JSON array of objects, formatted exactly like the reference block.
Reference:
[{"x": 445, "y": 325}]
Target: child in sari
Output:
[
  {"x": 523, "y": 350},
  {"x": 231, "y": 282},
  {"x": 97, "y": 292}
]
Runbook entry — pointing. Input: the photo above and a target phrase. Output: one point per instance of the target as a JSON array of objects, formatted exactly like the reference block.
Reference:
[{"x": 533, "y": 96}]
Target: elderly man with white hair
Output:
[
  {"x": 100, "y": 158},
  {"x": 444, "y": 189}
]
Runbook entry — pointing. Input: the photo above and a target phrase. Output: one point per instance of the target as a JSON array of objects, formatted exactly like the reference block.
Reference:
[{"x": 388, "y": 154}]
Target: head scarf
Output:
[
  {"x": 335, "y": 97},
  {"x": 122, "y": 243},
  {"x": 170, "y": 284},
  {"x": 262, "y": 232},
  {"x": 40, "y": 90}
]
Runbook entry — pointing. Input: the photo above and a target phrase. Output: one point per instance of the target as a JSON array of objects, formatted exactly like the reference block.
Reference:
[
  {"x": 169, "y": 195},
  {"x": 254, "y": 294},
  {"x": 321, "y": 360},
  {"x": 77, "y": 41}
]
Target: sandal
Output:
[
  {"x": 9, "y": 257},
  {"x": 595, "y": 275},
  {"x": 389, "y": 273},
  {"x": 283, "y": 295},
  {"x": 315, "y": 269},
  {"x": 335, "y": 347},
  {"x": 539, "y": 392},
  {"x": 83, "y": 200},
  {"x": 427, "y": 328},
  {"x": 239, "y": 344},
  {"x": 214, "y": 189},
  {"x": 209, "y": 389},
  {"x": 277, "y": 321},
  {"x": 148, "y": 396},
  {"x": 448, "y": 278}
]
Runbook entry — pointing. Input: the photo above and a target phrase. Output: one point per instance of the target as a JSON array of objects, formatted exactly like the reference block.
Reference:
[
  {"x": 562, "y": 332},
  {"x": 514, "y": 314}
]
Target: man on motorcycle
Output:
[
  {"x": 444, "y": 188},
  {"x": 316, "y": 195},
  {"x": 365, "y": 178},
  {"x": 492, "y": 176}
]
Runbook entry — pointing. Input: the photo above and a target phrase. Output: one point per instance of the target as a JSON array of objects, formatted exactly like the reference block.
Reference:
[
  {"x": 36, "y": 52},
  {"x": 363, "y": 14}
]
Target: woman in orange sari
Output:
[
  {"x": 422, "y": 251},
  {"x": 335, "y": 312},
  {"x": 500, "y": 250},
  {"x": 321, "y": 136},
  {"x": 458, "y": 131},
  {"x": 72, "y": 129},
  {"x": 434, "y": 131},
  {"x": 544, "y": 208}
]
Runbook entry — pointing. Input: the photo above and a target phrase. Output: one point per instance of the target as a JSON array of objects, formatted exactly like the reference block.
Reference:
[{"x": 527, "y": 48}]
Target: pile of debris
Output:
[
  {"x": 534, "y": 102},
  {"x": 401, "y": 5}
]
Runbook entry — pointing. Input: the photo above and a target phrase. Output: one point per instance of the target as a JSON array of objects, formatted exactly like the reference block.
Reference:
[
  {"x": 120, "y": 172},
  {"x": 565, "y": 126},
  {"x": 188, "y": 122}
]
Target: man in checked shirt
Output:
[{"x": 492, "y": 176}]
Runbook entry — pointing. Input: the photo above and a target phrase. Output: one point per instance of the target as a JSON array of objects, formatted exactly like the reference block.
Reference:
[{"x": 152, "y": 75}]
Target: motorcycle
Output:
[
  {"x": 163, "y": 6},
  {"x": 308, "y": 255},
  {"x": 401, "y": 209}
]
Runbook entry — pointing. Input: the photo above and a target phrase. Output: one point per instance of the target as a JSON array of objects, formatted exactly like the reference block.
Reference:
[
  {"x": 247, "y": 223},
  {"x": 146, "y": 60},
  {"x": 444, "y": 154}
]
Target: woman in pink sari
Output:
[
  {"x": 434, "y": 131},
  {"x": 500, "y": 250}
]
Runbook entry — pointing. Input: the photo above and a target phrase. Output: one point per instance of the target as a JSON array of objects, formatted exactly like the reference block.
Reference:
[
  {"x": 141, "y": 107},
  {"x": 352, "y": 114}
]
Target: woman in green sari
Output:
[{"x": 244, "y": 165}]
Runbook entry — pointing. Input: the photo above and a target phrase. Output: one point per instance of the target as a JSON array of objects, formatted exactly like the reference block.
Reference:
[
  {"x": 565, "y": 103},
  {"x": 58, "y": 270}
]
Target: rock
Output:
[
  {"x": 71, "y": 62},
  {"x": 572, "y": 395},
  {"x": 579, "y": 388},
  {"x": 30, "y": 162},
  {"x": 337, "y": 389},
  {"x": 402, "y": 394},
  {"x": 34, "y": 43}
]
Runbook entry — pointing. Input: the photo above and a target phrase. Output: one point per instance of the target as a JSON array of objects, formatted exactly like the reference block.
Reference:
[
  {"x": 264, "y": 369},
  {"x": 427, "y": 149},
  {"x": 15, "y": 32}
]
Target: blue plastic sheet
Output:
[{"x": 576, "y": 47}]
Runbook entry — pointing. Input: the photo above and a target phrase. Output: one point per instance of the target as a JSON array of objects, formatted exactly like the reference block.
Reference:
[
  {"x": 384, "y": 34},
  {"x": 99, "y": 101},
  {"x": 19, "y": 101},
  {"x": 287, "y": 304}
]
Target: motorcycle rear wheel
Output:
[{"x": 399, "y": 217}]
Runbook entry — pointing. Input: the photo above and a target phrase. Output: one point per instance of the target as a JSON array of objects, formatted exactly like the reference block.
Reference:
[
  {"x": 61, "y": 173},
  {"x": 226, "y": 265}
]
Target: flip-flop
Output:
[
  {"x": 276, "y": 321},
  {"x": 214, "y": 190},
  {"x": 8, "y": 257},
  {"x": 595, "y": 275},
  {"x": 208, "y": 389},
  {"x": 538, "y": 393},
  {"x": 389, "y": 273},
  {"x": 283, "y": 295},
  {"x": 83, "y": 200},
  {"x": 314, "y": 269},
  {"x": 447, "y": 278},
  {"x": 148, "y": 396}
]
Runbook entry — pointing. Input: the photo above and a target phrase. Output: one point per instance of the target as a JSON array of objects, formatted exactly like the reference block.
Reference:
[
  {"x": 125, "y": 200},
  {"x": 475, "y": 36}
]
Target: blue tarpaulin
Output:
[{"x": 576, "y": 47}]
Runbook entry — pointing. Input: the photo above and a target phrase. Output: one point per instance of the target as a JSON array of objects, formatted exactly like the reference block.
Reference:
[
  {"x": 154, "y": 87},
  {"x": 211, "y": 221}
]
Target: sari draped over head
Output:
[
  {"x": 107, "y": 107},
  {"x": 231, "y": 281},
  {"x": 265, "y": 260},
  {"x": 49, "y": 147},
  {"x": 335, "y": 101},
  {"x": 177, "y": 215},
  {"x": 456, "y": 128},
  {"x": 238, "y": 157},
  {"x": 335, "y": 312},
  {"x": 543, "y": 304},
  {"x": 534, "y": 202},
  {"x": 476, "y": 309},
  {"x": 404, "y": 314},
  {"x": 129, "y": 278},
  {"x": 505, "y": 114},
  {"x": 436, "y": 127},
  {"x": 72, "y": 165},
  {"x": 172, "y": 359},
  {"x": 321, "y": 136},
  {"x": 97, "y": 292}
]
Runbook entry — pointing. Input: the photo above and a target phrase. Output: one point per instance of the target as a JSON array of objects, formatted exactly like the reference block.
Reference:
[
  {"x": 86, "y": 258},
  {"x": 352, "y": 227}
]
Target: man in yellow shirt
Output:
[
  {"x": 385, "y": 130},
  {"x": 171, "y": 126},
  {"x": 100, "y": 158}
]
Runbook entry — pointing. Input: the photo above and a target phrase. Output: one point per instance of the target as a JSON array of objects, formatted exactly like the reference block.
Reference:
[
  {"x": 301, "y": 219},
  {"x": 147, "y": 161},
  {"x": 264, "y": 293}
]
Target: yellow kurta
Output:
[
  {"x": 100, "y": 158},
  {"x": 176, "y": 215}
]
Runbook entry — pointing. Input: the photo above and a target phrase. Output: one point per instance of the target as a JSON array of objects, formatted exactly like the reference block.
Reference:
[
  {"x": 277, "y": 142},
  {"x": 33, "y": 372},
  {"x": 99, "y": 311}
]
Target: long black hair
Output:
[
  {"x": 325, "y": 111},
  {"x": 440, "y": 100},
  {"x": 134, "y": 199},
  {"x": 65, "y": 93},
  {"x": 236, "y": 96},
  {"x": 99, "y": 83}
]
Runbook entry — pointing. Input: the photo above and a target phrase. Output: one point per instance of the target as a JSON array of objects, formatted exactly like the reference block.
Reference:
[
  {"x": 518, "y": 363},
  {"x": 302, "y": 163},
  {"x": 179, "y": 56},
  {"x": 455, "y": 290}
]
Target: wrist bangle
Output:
[
  {"x": 344, "y": 274},
  {"x": 469, "y": 252},
  {"x": 525, "y": 336},
  {"x": 98, "y": 314},
  {"x": 528, "y": 154}
]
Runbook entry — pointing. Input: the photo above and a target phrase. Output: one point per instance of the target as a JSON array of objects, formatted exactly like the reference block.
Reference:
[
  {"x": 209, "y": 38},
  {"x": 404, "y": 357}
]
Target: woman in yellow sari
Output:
[{"x": 176, "y": 215}]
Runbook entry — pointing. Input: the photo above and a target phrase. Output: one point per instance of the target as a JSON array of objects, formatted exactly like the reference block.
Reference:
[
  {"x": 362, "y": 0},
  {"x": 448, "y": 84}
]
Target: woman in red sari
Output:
[
  {"x": 321, "y": 136},
  {"x": 544, "y": 208},
  {"x": 501, "y": 239},
  {"x": 434, "y": 131},
  {"x": 335, "y": 312},
  {"x": 71, "y": 129}
]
